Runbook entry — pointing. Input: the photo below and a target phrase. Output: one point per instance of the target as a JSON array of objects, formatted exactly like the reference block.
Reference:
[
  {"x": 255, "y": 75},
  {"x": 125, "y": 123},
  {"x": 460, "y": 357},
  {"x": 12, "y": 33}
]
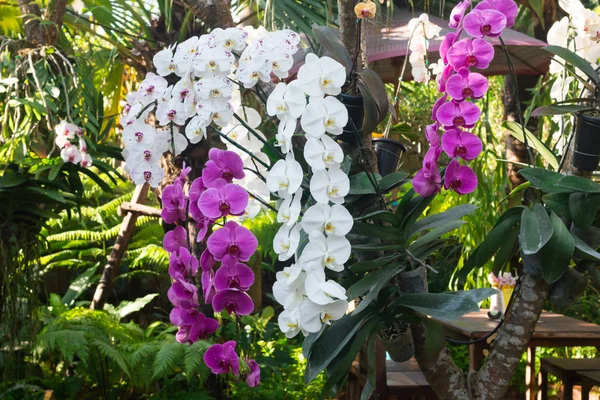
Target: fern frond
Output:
[
  {"x": 112, "y": 352},
  {"x": 194, "y": 358},
  {"x": 151, "y": 256},
  {"x": 144, "y": 353},
  {"x": 67, "y": 342},
  {"x": 167, "y": 358}
]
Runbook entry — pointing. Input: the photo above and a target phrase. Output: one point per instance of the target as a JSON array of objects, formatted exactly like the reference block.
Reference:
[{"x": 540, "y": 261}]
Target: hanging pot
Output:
[
  {"x": 356, "y": 112},
  {"x": 388, "y": 153},
  {"x": 586, "y": 154}
]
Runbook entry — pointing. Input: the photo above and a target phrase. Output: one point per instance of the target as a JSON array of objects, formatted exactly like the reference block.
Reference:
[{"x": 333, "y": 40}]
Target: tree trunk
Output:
[
  {"x": 55, "y": 12},
  {"x": 214, "y": 13},
  {"x": 34, "y": 32},
  {"x": 348, "y": 29}
]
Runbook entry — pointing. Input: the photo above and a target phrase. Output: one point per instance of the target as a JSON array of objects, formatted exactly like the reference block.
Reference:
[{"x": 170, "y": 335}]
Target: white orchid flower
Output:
[
  {"x": 329, "y": 185},
  {"x": 164, "y": 63},
  {"x": 321, "y": 76},
  {"x": 138, "y": 134},
  {"x": 285, "y": 132},
  {"x": 214, "y": 86},
  {"x": 323, "y": 292},
  {"x": 184, "y": 55},
  {"x": 232, "y": 39},
  {"x": 180, "y": 143},
  {"x": 313, "y": 315},
  {"x": 289, "y": 323},
  {"x": 151, "y": 88},
  {"x": 323, "y": 153},
  {"x": 289, "y": 210},
  {"x": 214, "y": 60},
  {"x": 254, "y": 66},
  {"x": 184, "y": 91},
  {"x": 86, "y": 160},
  {"x": 292, "y": 277},
  {"x": 285, "y": 177},
  {"x": 288, "y": 296},
  {"x": 286, "y": 241},
  {"x": 333, "y": 220},
  {"x": 195, "y": 130},
  {"x": 286, "y": 101},
  {"x": 331, "y": 252},
  {"x": 217, "y": 110},
  {"x": 146, "y": 173},
  {"x": 172, "y": 111},
  {"x": 324, "y": 115},
  {"x": 71, "y": 154}
]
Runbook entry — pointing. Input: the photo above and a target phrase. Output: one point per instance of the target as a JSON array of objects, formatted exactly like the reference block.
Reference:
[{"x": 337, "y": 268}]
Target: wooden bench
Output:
[
  {"x": 589, "y": 379},
  {"x": 393, "y": 380},
  {"x": 568, "y": 370}
]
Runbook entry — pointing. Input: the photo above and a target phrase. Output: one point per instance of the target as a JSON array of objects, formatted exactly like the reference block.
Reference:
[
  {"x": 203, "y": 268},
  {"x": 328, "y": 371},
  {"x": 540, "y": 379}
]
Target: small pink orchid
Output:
[
  {"x": 470, "y": 53},
  {"x": 236, "y": 276},
  {"x": 182, "y": 264},
  {"x": 223, "y": 199},
  {"x": 233, "y": 301},
  {"x": 175, "y": 239},
  {"x": 460, "y": 178},
  {"x": 222, "y": 358},
  {"x": 427, "y": 182},
  {"x": 208, "y": 285},
  {"x": 457, "y": 143},
  {"x": 479, "y": 23},
  {"x": 457, "y": 13},
  {"x": 207, "y": 261},
  {"x": 507, "y": 7},
  {"x": 182, "y": 293},
  {"x": 174, "y": 203},
  {"x": 465, "y": 84},
  {"x": 193, "y": 325},
  {"x": 231, "y": 243},
  {"x": 436, "y": 106},
  {"x": 253, "y": 377},
  {"x": 458, "y": 115},
  {"x": 222, "y": 164},
  {"x": 445, "y": 46},
  {"x": 432, "y": 135}
]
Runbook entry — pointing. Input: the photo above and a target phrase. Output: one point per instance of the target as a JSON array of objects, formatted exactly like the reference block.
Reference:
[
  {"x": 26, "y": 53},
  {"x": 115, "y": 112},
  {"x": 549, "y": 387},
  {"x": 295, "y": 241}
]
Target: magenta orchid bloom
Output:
[
  {"x": 207, "y": 261},
  {"x": 235, "y": 276},
  {"x": 232, "y": 242},
  {"x": 196, "y": 189},
  {"x": 465, "y": 84},
  {"x": 222, "y": 358},
  {"x": 479, "y": 23},
  {"x": 175, "y": 239},
  {"x": 432, "y": 135},
  {"x": 460, "y": 178},
  {"x": 253, "y": 377},
  {"x": 436, "y": 106},
  {"x": 470, "y": 53},
  {"x": 449, "y": 39},
  {"x": 182, "y": 178},
  {"x": 182, "y": 264},
  {"x": 427, "y": 182},
  {"x": 458, "y": 12},
  {"x": 223, "y": 199},
  {"x": 233, "y": 301},
  {"x": 222, "y": 164},
  {"x": 507, "y": 7},
  {"x": 193, "y": 325},
  {"x": 182, "y": 293},
  {"x": 174, "y": 204},
  {"x": 457, "y": 143},
  {"x": 457, "y": 115},
  {"x": 208, "y": 285},
  {"x": 442, "y": 78}
]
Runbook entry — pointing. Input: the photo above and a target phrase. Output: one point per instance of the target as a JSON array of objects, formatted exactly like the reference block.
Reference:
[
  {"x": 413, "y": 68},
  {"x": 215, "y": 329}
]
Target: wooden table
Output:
[{"x": 552, "y": 330}]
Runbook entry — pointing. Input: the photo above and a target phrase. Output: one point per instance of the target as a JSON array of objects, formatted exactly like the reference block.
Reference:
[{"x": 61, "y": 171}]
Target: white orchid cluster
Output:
[
  {"x": 578, "y": 32},
  {"x": 205, "y": 94},
  {"x": 66, "y": 133},
  {"x": 422, "y": 30},
  {"x": 308, "y": 298}
]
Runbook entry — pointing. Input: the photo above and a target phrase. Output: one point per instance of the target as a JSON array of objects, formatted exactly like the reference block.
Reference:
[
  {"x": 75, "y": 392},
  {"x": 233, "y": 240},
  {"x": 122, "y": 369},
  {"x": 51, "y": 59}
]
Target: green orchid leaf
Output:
[
  {"x": 385, "y": 233},
  {"x": 557, "y": 253},
  {"x": 536, "y": 230},
  {"x": 516, "y": 130},
  {"x": 576, "y": 61},
  {"x": 543, "y": 179},
  {"x": 574, "y": 183},
  {"x": 557, "y": 109},
  {"x": 435, "y": 220},
  {"x": 329, "y": 38}
]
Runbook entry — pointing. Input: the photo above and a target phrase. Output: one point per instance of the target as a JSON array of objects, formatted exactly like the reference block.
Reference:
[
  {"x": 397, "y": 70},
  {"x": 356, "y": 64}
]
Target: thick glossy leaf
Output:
[
  {"x": 371, "y": 113},
  {"x": 391, "y": 181},
  {"x": 390, "y": 271},
  {"x": 543, "y": 179},
  {"x": 559, "y": 203},
  {"x": 583, "y": 208},
  {"x": 559, "y": 109},
  {"x": 535, "y": 229},
  {"x": 576, "y": 61},
  {"x": 538, "y": 7},
  {"x": 516, "y": 130},
  {"x": 506, "y": 250},
  {"x": 79, "y": 285},
  {"x": 444, "y": 305},
  {"x": 363, "y": 266},
  {"x": 435, "y": 338},
  {"x": 381, "y": 215},
  {"x": 310, "y": 340},
  {"x": 385, "y": 233},
  {"x": 372, "y": 278},
  {"x": 377, "y": 91},
  {"x": 578, "y": 184},
  {"x": 557, "y": 253},
  {"x": 435, "y": 220},
  {"x": 331, "y": 342},
  {"x": 329, "y": 38},
  {"x": 582, "y": 250},
  {"x": 11, "y": 179},
  {"x": 411, "y": 211},
  {"x": 129, "y": 307},
  {"x": 435, "y": 234},
  {"x": 377, "y": 247},
  {"x": 361, "y": 184}
]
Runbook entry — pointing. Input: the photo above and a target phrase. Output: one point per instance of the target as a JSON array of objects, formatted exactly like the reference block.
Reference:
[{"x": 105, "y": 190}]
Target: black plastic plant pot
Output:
[
  {"x": 587, "y": 143},
  {"x": 356, "y": 113},
  {"x": 389, "y": 152}
]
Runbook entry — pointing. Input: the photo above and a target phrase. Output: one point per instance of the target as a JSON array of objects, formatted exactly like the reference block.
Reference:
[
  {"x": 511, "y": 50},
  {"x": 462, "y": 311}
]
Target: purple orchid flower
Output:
[
  {"x": 174, "y": 204},
  {"x": 507, "y": 7},
  {"x": 193, "y": 325},
  {"x": 233, "y": 301},
  {"x": 436, "y": 106},
  {"x": 457, "y": 143},
  {"x": 470, "y": 53},
  {"x": 432, "y": 135},
  {"x": 253, "y": 377},
  {"x": 196, "y": 189},
  {"x": 427, "y": 181},
  {"x": 479, "y": 23},
  {"x": 207, "y": 261},
  {"x": 448, "y": 41},
  {"x": 222, "y": 164},
  {"x": 182, "y": 293},
  {"x": 457, "y": 13},
  {"x": 175, "y": 239},
  {"x": 235, "y": 276},
  {"x": 208, "y": 285},
  {"x": 223, "y": 199},
  {"x": 182, "y": 178},
  {"x": 182, "y": 264},
  {"x": 222, "y": 358},
  {"x": 442, "y": 78},
  {"x": 458, "y": 114},
  {"x": 465, "y": 84},
  {"x": 231, "y": 243},
  {"x": 460, "y": 178}
]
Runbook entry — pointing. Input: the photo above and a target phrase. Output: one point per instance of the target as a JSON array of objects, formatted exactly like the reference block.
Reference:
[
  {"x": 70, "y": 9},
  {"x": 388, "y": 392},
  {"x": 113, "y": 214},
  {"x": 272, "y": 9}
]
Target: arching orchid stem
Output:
[
  {"x": 515, "y": 87},
  {"x": 256, "y": 135},
  {"x": 241, "y": 148},
  {"x": 152, "y": 104},
  {"x": 172, "y": 139},
  {"x": 255, "y": 172},
  {"x": 261, "y": 201}
]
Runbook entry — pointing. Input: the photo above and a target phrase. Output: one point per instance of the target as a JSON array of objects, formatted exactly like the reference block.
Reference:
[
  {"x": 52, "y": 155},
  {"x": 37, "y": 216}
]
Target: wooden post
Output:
[
  {"x": 111, "y": 268},
  {"x": 530, "y": 374}
]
